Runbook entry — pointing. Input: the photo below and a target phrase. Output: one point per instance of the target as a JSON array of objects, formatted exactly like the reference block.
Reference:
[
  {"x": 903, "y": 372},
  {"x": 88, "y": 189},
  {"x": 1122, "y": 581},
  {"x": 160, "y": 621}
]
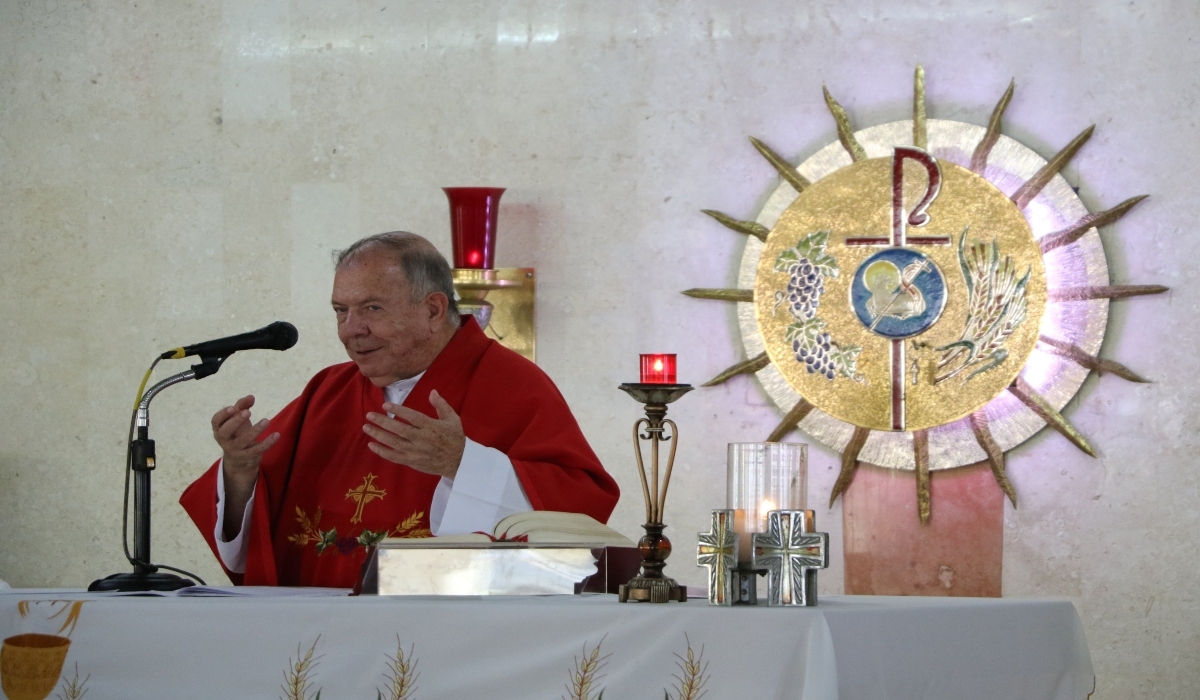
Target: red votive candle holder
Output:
[
  {"x": 658, "y": 368},
  {"x": 473, "y": 213}
]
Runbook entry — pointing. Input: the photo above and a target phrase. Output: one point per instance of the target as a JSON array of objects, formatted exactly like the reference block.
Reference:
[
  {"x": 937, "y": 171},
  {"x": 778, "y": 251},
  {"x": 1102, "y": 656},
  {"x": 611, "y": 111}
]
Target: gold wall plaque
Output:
[
  {"x": 923, "y": 294},
  {"x": 977, "y": 236}
]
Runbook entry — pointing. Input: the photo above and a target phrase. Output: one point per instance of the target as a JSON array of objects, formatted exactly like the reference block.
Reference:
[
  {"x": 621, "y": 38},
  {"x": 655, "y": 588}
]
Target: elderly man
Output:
[{"x": 433, "y": 428}]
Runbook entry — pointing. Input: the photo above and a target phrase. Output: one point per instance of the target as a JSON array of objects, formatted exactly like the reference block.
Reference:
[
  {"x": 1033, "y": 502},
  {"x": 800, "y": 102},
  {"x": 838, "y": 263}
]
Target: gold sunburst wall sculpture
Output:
[{"x": 924, "y": 294}]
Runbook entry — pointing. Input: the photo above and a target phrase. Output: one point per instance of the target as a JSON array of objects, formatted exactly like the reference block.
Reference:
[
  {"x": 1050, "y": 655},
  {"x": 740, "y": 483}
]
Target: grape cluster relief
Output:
[{"x": 808, "y": 266}]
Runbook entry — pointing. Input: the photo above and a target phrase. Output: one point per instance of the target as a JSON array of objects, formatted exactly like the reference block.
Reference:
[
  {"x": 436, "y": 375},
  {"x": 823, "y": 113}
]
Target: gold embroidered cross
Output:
[{"x": 363, "y": 495}]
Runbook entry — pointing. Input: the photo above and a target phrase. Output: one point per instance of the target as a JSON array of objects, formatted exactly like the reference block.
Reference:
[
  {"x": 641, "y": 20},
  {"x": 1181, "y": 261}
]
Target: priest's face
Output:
[{"x": 388, "y": 335}]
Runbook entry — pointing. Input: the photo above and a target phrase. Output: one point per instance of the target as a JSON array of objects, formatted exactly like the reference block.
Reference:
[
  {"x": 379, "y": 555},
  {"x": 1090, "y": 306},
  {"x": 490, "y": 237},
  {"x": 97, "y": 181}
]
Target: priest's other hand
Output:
[
  {"x": 430, "y": 445},
  {"x": 238, "y": 439}
]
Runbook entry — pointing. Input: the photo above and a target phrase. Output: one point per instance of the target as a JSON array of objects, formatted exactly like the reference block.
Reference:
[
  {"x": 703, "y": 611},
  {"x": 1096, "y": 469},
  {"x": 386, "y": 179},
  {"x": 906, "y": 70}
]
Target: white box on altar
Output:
[{"x": 414, "y": 567}]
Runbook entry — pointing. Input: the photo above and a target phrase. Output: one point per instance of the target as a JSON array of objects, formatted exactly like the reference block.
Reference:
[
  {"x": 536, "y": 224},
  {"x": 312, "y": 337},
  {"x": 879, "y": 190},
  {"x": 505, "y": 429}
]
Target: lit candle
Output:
[{"x": 658, "y": 368}]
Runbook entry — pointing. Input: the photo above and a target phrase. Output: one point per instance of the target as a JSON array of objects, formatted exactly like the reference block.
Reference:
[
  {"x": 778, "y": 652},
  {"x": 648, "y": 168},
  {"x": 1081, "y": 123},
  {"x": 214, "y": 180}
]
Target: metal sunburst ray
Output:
[
  {"x": 791, "y": 420},
  {"x": 1092, "y": 362},
  {"x": 920, "y": 131},
  {"x": 844, "y": 128},
  {"x": 1074, "y": 232},
  {"x": 849, "y": 463},
  {"x": 1038, "y": 404},
  {"x": 921, "y": 460},
  {"x": 721, "y": 294},
  {"x": 992, "y": 135},
  {"x": 1025, "y": 194},
  {"x": 784, "y": 168},
  {"x": 750, "y": 228},
  {"x": 750, "y": 366},
  {"x": 1122, "y": 291},
  {"x": 983, "y": 435}
]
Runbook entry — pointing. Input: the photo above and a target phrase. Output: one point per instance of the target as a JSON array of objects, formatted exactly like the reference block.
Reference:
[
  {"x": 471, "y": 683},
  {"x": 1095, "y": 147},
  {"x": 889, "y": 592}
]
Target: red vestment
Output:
[{"x": 322, "y": 495}]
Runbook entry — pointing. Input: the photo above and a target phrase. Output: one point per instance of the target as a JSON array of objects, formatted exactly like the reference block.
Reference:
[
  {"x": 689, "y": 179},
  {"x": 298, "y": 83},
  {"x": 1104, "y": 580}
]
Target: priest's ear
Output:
[{"x": 437, "y": 305}]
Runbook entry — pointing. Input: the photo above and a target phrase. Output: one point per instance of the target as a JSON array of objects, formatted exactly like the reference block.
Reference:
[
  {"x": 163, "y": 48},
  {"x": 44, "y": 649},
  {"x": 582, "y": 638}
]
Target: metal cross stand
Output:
[
  {"x": 791, "y": 553},
  {"x": 650, "y": 585},
  {"x": 718, "y": 551}
]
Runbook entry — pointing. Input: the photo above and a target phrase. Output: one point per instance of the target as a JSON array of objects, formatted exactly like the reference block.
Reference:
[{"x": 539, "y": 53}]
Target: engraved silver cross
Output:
[
  {"x": 718, "y": 551},
  {"x": 791, "y": 554}
]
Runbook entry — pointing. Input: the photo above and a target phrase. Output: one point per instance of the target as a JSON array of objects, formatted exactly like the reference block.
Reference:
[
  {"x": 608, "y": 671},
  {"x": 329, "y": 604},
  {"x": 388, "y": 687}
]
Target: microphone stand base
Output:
[{"x": 133, "y": 582}]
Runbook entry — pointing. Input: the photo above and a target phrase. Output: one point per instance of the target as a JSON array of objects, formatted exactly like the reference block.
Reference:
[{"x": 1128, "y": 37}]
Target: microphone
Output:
[{"x": 280, "y": 335}]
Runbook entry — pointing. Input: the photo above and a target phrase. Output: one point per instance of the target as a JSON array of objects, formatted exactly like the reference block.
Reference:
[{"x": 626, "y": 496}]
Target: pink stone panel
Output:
[{"x": 889, "y": 552}]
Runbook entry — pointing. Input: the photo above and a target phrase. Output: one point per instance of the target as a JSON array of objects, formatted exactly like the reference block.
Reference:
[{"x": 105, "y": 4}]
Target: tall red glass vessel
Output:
[{"x": 473, "y": 213}]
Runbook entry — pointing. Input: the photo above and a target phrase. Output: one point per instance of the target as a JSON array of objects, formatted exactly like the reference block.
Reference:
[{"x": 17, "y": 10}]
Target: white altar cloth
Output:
[{"x": 521, "y": 648}]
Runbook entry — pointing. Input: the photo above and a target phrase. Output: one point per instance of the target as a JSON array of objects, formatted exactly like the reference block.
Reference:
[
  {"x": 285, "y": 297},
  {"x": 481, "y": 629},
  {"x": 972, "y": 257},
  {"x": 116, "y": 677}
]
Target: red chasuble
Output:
[{"x": 322, "y": 496}]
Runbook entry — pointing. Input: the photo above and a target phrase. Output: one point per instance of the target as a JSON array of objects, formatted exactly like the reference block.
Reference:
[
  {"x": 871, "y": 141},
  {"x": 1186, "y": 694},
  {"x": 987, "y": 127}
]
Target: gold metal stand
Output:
[{"x": 502, "y": 301}]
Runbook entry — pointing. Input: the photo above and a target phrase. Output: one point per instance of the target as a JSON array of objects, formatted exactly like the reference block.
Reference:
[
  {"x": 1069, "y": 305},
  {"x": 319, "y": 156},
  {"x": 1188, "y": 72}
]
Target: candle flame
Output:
[
  {"x": 765, "y": 507},
  {"x": 658, "y": 365}
]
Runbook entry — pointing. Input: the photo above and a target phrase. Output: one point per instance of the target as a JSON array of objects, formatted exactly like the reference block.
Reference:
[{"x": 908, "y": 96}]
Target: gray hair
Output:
[{"x": 424, "y": 267}]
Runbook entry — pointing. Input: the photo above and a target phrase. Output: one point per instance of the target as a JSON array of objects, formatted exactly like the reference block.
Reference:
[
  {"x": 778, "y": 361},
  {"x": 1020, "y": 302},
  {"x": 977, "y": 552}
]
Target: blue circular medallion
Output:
[{"x": 898, "y": 293}]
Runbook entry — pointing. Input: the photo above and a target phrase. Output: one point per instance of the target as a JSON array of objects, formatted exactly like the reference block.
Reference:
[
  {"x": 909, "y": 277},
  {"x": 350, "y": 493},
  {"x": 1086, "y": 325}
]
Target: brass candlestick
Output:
[{"x": 650, "y": 585}]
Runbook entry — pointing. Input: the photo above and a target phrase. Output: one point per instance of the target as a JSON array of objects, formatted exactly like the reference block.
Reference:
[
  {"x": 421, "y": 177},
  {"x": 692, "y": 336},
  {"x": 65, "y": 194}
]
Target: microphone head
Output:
[{"x": 283, "y": 335}]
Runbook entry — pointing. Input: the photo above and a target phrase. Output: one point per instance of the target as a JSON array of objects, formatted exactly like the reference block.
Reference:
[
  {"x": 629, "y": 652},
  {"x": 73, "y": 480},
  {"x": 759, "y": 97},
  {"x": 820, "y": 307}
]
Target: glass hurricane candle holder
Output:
[{"x": 762, "y": 477}]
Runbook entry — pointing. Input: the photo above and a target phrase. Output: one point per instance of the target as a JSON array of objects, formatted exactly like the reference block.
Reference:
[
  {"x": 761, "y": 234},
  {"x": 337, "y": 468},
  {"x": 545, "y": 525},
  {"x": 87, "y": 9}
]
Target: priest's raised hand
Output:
[
  {"x": 431, "y": 445},
  {"x": 242, "y": 452}
]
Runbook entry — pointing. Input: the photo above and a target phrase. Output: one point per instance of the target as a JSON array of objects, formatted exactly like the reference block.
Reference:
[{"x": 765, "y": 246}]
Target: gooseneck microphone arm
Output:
[
  {"x": 143, "y": 458},
  {"x": 142, "y": 453}
]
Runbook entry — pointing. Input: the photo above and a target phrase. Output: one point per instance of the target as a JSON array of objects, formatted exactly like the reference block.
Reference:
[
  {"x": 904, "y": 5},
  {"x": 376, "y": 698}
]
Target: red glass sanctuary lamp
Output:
[
  {"x": 658, "y": 368},
  {"x": 473, "y": 213}
]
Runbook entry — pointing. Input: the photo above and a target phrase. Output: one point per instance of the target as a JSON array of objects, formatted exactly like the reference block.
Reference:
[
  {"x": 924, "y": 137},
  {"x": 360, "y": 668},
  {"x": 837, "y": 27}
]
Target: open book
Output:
[{"x": 539, "y": 527}]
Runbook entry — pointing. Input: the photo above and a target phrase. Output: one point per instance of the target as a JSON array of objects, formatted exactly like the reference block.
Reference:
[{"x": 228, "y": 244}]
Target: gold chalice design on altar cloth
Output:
[{"x": 30, "y": 665}]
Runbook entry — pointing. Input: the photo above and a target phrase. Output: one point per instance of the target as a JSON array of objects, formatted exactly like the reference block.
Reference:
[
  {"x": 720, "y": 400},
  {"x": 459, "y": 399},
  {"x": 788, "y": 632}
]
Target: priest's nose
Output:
[{"x": 352, "y": 325}]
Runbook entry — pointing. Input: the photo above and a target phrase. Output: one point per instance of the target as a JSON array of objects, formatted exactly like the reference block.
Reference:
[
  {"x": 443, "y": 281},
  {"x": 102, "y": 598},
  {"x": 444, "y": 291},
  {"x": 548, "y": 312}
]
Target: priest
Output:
[{"x": 431, "y": 429}]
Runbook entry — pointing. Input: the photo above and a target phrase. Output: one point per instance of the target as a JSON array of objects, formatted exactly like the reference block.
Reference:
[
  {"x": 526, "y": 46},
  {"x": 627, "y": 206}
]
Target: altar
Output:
[{"x": 848, "y": 647}]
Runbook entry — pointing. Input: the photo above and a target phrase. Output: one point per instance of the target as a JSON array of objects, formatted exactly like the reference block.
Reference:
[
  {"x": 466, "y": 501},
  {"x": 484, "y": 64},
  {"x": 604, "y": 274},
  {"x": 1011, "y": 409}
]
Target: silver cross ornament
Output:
[
  {"x": 718, "y": 550},
  {"x": 791, "y": 553}
]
